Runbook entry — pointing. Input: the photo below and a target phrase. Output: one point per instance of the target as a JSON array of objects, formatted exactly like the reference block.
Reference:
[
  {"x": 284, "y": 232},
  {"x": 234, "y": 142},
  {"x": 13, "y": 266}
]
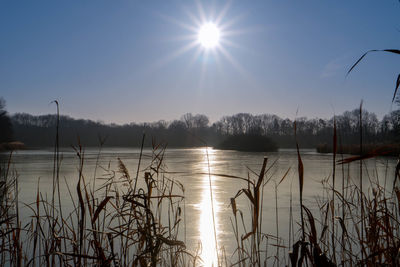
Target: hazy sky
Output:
[{"x": 123, "y": 61}]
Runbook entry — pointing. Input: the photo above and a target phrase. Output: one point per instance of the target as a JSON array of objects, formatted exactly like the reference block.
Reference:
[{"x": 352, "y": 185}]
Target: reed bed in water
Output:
[
  {"x": 137, "y": 220},
  {"x": 120, "y": 223}
]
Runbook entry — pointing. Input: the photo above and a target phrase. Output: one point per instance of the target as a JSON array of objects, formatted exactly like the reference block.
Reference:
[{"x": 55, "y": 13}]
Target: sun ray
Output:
[
  {"x": 231, "y": 60},
  {"x": 250, "y": 79},
  {"x": 195, "y": 20},
  {"x": 201, "y": 11},
  {"x": 203, "y": 69},
  {"x": 195, "y": 56},
  {"x": 218, "y": 62},
  {"x": 243, "y": 31},
  {"x": 192, "y": 61},
  {"x": 228, "y": 24},
  {"x": 227, "y": 42},
  {"x": 176, "y": 54},
  {"x": 189, "y": 37},
  {"x": 177, "y": 22},
  {"x": 223, "y": 12}
]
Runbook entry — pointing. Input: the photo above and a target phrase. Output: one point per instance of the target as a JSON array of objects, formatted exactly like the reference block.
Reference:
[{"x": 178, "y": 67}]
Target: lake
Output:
[{"x": 191, "y": 167}]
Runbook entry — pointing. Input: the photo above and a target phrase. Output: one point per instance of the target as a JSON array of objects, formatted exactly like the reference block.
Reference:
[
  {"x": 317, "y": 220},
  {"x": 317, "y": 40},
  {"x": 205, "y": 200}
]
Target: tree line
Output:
[{"x": 196, "y": 130}]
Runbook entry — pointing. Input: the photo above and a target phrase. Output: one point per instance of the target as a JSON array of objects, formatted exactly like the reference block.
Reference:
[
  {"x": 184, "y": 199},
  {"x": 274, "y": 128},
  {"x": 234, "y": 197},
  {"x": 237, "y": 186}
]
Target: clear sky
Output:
[{"x": 133, "y": 61}]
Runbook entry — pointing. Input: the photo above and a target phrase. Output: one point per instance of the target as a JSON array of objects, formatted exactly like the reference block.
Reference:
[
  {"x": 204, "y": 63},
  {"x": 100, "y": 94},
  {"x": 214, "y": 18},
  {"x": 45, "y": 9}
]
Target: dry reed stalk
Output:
[{"x": 333, "y": 256}]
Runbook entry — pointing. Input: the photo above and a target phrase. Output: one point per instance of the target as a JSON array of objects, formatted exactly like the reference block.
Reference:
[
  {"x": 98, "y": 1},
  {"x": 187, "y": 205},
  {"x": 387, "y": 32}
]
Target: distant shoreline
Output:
[{"x": 378, "y": 149}]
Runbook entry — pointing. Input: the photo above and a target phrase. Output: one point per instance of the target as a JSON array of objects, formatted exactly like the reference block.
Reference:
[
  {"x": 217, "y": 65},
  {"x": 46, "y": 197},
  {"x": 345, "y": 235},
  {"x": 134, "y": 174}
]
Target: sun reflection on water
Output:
[{"x": 206, "y": 227}]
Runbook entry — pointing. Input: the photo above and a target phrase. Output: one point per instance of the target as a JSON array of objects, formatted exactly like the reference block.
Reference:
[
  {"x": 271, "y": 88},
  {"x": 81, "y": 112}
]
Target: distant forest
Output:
[{"x": 196, "y": 130}]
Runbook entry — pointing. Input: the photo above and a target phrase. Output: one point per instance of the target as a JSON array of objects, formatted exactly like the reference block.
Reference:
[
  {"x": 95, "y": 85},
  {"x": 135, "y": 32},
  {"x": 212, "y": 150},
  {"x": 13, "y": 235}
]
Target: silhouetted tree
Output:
[{"x": 6, "y": 132}]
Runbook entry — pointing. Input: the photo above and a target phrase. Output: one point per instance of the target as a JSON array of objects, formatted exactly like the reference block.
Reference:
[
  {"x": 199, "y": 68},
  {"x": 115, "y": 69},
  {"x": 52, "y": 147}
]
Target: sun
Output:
[{"x": 209, "y": 35}]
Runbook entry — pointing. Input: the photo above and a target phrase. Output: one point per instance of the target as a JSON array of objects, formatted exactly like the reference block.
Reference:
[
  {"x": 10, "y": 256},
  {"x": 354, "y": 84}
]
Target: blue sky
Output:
[{"x": 124, "y": 61}]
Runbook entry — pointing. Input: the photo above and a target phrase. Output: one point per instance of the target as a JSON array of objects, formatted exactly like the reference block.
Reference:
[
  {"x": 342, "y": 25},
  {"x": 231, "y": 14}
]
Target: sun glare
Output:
[{"x": 209, "y": 35}]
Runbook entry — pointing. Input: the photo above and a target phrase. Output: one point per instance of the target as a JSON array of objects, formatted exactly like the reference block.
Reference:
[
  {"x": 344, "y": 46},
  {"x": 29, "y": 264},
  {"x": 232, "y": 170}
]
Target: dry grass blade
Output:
[
  {"x": 372, "y": 154},
  {"x": 397, "y": 173},
  {"x": 247, "y": 235},
  {"x": 249, "y": 195},
  {"x": 333, "y": 185},
  {"x": 294, "y": 255},
  {"x": 313, "y": 235},
  {"x": 395, "y": 51},
  {"x": 358, "y": 61},
  {"x": 397, "y": 87},
  {"x": 233, "y": 204},
  {"x": 342, "y": 224},
  {"x": 82, "y": 215},
  {"x": 284, "y": 176},
  {"x": 100, "y": 207},
  {"x": 300, "y": 169},
  {"x": 171, "y": 242},
  {"x": 262, "y": 173},
  {"x": 123, "y": 170},
  {"x": 334, "y": 137}
]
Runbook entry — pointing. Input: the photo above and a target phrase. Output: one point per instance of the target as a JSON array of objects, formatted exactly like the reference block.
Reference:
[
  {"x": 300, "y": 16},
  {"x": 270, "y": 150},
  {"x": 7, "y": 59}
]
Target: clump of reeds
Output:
[
  {"x": 10, "y": 232},
  {"x": 363, "y": 223},
  {"x": 352, "y": 225},
  {"x": 364, "y": 227},
  {"x": 252, "y": 242},
  {"x": 120, "y": 223}
]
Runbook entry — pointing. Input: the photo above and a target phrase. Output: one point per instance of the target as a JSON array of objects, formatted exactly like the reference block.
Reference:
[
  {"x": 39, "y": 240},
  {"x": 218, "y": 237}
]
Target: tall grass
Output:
[{"x": 115, "y": 224}]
